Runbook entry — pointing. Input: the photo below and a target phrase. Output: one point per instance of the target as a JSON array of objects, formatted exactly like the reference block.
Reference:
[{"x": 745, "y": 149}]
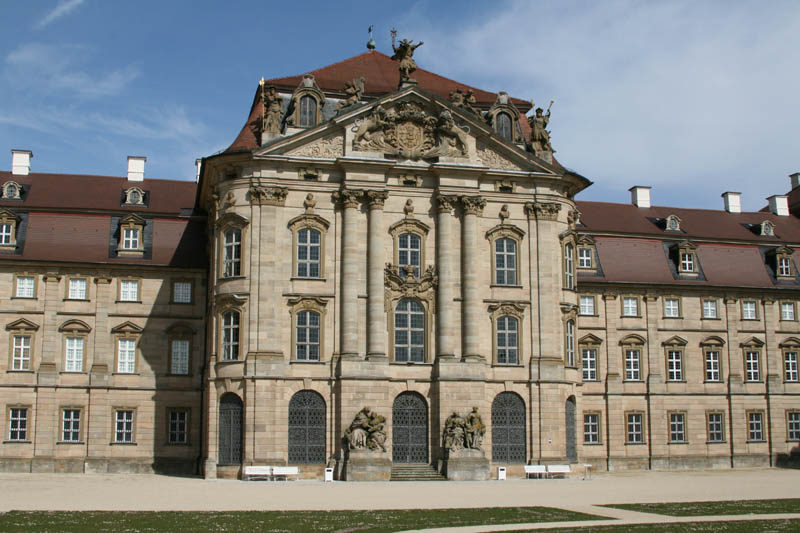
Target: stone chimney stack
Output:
[
  {"x": 21, "y": 162},
  {"x": 733, "y": 201},
  {"x": 640, "y": 196},
  {"x": 795, "y": 180},
  {"x": 779, "y": 205},
  {"x": 136, "y": 168}
]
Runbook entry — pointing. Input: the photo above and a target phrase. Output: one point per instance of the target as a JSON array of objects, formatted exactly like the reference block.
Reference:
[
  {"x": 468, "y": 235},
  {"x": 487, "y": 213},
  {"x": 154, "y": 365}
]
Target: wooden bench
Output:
[
  {"x": 535, "y": 470},
  {"x": 558, "y": 470},
  {"x": 283, "y": 472},
  {"x": 257, "y": 472}
]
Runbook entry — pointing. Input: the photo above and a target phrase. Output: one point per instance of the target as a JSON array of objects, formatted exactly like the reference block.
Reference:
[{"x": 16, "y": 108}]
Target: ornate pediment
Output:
[
  {"x": 400, "y": 282},
  {"x": 329, "y": 147}
]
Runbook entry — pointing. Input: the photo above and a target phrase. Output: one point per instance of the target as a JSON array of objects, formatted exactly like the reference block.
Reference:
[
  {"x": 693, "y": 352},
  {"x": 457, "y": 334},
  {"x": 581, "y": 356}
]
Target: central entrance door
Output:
[
  {"x": 230, "y": 430},
  {"x": 409, "y": 429}
]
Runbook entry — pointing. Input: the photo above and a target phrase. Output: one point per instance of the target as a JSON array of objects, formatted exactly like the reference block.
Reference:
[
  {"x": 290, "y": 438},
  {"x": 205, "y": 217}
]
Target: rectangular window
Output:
[
  {"x": 715, "y": 428},
  {"x": 570, "y": 343},
  {"x": 674, "y": 365},
  {"x": 709, "y": 309},
  {"x": 751, "y": 366},
  {"x": 587, "y": 305},
  {"x": 21, "y": 358},
  {"x": 71, "y": 425},
  {"x": 749, "y": 310},
  {"x": 507, "y": 340},
  {"x": 632, "y": 366},
  {"x": 712, "y": 365},
  {"x": 182, "y": 292},
  {"x": 630, "y": 306},
  {"x": 179, "y": 356},
  {"x": 584, "y": 258},
  {"x": 73, "y": 359},
  {"x": 5, "y": 234},
  {"x": 677, "y": 427},
  {"x": 233, "y": 253},
  {"x": 178, "y": 428},
  {"x": 569, "y": 267},
  {"x": 687, "y": 262},
  {"x": 129, "y": 290},
  {"x": 308, "y": 252},
  {"x": 126, "y": 356},
  {"x": 784, "y": 267},
  {"x": 787, "y": 310},
  {"x": 25, "y": 286},
  {"x": 755, "y": 427},
  {"x": 230, "y": 336},
  {"x": 18, "y": 424},
  {"x": 634, "y": 428},
  {"x": 130, "y": 239},
  {"x": 793, "y": 425},
  {"x": 77, "y": 289},
  {"x": 123, "y": 426},
  {"x": 591, "y": 428},
  {"x": 589, "y": 358},
  {"x": 790, "y": 366},
  {"x": 672, "y": 308}
]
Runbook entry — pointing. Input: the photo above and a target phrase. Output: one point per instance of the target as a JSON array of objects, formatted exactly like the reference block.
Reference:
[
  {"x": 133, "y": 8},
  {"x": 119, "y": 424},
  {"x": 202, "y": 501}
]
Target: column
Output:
[
  {"x": 350, "y": 201},
  {"x": 471, "y": 308},
  {"x": 445, "y": 292},
  {"x": 376, "y": 316}
]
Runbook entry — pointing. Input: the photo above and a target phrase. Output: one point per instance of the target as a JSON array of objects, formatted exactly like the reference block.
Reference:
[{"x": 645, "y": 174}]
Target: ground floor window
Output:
[
  {"x": 591, "y": 428},
  {"x": 71, "y": 425}
]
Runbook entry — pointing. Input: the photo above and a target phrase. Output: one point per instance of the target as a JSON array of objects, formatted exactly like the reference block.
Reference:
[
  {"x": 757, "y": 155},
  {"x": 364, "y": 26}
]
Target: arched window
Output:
[
  {"x": 570, "y": 342},
  {"x": 409, "y": 429},
  {"x": 307, "y": 428},
  {"x": 232, "y": 265},
  {"x": 408, "y": 253},
  {"x": 569, "y": 266},
  {"x": 507, "y": 347},
  {"x": 230, "y": 336},
  {"x": 308, "y": 111},
  {"x": 307, "y": 336},
  {"x": 503, "y": 124},
  {"x": 409, "y": 331},
  {"x": 508, "y": 429},
  {"x": 505, "y": 260},
  {"x": 308, "y": 253},
  {"x": 230, "y": 429},
  {"x": 569, "y": 426}
]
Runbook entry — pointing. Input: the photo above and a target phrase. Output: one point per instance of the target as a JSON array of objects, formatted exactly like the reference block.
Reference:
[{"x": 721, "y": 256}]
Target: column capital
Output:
[
  {"x": 473, "y": 205},
  {"x": 349, "y": 198},
  {"x": 542, "y": 210},
  {"x": 446, "y": 203},
  {"x": 268, "y": 195},
  {"x": 375, "y": 199}
]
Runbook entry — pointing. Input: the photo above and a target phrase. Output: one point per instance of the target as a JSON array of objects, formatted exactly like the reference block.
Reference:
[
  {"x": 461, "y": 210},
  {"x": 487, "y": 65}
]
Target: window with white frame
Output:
[
  {"x": 126, "y": 356},
  {"x": 784, "y": 267},
  {"x": 21, "y": 357},
  {"x": 25, "y": 287},
  {"x": 232, "y": 245},
  {"x": 589, "y": 364},
  {"x": 790, "y": 365},
  {"x": 409, "y": 331},
  {"x": 570, "y": 341},
  {"x": 129, "y": 290},
  {"x": 18, "y": 424},
  {"x": 507, "y": 340},
  {"x": 630, "y": 306},
  {"x": 793, "y": 425},
  {"x": 409, "y": 253},
  {"x": 591, "y": 428},
  {"x": 77, "y": 288},
  {"x": 672, "y": 308},
  {"x": 6, "y": 233},
  {"x": 634, "y": 433},
  {"x": 751, "y": 360},
  {"x": 633, "y": 364},
  {"x": 712, "y": 364},
  {"x": 687, "y": 261},
  {"x": 675, "y": 365},
  {"x": 505, "y": 261},
  {"x": 587, "y": 305},
  {"x": 677, "y": 427},
  {"x": 70, "y": 425},
  {"x": 182, "y": 292},
  {"x": 716, "y": 432},
  {"x": 178, "y": 426},
  {"x": 73, "y": 358},
  {"x": 179, "y": 357},
  {"x": 8, "y": 229},
  {"x": 709, "y": 309},
  {"x": 569, "y": 266},
  {"x": 749, "y": 310},
  {"x": 755, "y": 426},
  {"x": 308, "y": 253},
  {"x": 130, "y": 239},
  {"x": 787, "y": 310},
  {"x": 584, "y": 257},
  {"x": 230, "y": 336},
  {"x": 123, "y": 426},
  {"x": 307, "y": 336}
]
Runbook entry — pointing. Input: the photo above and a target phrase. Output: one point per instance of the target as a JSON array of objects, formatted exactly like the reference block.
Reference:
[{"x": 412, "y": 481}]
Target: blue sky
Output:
[{"x": 692, "y": 98}]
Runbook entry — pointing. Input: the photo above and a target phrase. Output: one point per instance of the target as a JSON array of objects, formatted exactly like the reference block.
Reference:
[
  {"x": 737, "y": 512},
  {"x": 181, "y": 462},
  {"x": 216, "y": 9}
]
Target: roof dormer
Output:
[
  {"x": 503, "y": 116},
  {"x": 306, "y": 104}
]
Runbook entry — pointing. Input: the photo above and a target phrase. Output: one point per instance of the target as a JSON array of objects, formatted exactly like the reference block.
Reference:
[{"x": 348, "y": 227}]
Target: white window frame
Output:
[
  {"x": 634, "y": 428},
  {"x": 793, "y": 425},
  {"x": 687, "y": 261},
  {"x": 790, "y": 373},
  {"x": 182, "y": 292},
  {"x": 18, "y": 424},
  {"x": 70, "y": 425},
  {"x": 308, "y": 266},
  {"x": 672, "y": 307},
  {"x": 178, "y": 426},
  {"x": 749, "y": 310},
  {"x": 74, "y": 353},
  {"x": 674, "y": 364},
  {"x": 584, "y": 257},
  {"x": 755, "y": 426},
  {"x": 591, "y": 428},
  {"x": 589, "y": 363},
  {"x": 232, "y": 253},
  {"x": 569, "y": 266},
  {"x": 710, "y": 309},
  {"x": 305, "y": 334},
  {"x": 630, "y": 306},
  {"x": 505, "y": 252},
  {"x": 6, "y": 234},
  {"x": 21, "y": 356},
  {"x": 712, "y": 364},
  {"x": 570, "y": 342},
  {"x": 716, "y": 427},
  {"x": 123, "y": 426},
  {"x": 587, "y": 306},
  {"x": 130, "y": 238},
  {"x": 787, "y": 311},
  {"x": 76, "y": 292},
  {"x": 784, "y": 267},
  {"x": 26, "y": 287},
  {"x": 231, "y": 321},
  {"x": 506, "y": 345},
  {"x": 128, "y": 290},
  {"x": 633, "y": 364},
  {"x": 752, "y": 365},
  {"x": 126, "y": 356},
  {"x": 407, "y": 348}
]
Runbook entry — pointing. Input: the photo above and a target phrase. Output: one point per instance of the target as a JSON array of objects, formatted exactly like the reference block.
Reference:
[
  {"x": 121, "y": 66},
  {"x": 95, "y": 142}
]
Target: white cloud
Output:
[{"x": 64, "y": 7}]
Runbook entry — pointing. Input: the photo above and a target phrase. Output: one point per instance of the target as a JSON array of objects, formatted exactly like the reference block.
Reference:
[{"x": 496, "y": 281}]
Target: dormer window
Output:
[
  {"x": 586, "y": 254},
  {"x": 673, "y": 223},
  {"x": 782, "y": 262},
  {"x": 687, "y": 261},
  {"x": 12, "y": 190},
  {"x": 767, "y": 229},
  {"x": 131, "y": 231},
  {"x": 684, "y": 258},
  {"x": 308, "y": 112},
  {"x": 134, "y": 196},
  {"x": 306, "y": 105},
  {"x": 8, "y": 230},
  {"x": 504, "y": 118},
  {"x": 503, "y": 125}
]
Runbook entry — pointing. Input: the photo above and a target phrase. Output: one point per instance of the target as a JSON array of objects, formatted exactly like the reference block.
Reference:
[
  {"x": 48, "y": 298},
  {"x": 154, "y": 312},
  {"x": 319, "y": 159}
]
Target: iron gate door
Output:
[
  {"x": 230, "y": 430},
  {"x": 409, "y": 429},
  {"x": 569, "y": 413},
  {"x": 307, "y": 428},
  {"x": 508, "y": 429}
]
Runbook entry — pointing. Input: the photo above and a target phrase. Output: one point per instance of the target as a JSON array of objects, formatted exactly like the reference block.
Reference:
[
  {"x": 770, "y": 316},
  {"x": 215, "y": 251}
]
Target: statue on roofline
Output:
[
  {"x": 353, "y": 89},
  {"x": 405, "y": 54},
  {"x": 540, "y": 136},
  {"x": 273, "y": 109}
]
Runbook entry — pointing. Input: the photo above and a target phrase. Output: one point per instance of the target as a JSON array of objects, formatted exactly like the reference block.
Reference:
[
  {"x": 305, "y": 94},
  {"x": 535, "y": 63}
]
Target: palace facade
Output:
[{"x": 398, "y": 241}]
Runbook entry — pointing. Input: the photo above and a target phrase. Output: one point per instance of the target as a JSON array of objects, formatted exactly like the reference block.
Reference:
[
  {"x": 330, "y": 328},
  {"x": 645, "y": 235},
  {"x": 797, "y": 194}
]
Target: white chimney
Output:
[
  {"x": 21, "y": 162},
  {"x": 199, "y": 164},
  {"x": 795, "y": 180},
  {"x": 640, "y": 196},
  {"x": 136, "y": 168},
  {"x": 733, "y": 201},
  {"x": 779, "y": 205}
]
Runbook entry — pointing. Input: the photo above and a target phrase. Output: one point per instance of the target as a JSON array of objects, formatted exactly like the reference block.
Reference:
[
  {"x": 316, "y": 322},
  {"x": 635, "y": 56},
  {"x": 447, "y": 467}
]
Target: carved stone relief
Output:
[
  {"x": 268, "y": 195},
  {"x": 542, "y": 210},
  {"x": 398, "y": 286},
  {"x": 367, "y": 431},
  {"x": 492, "y": 159},
  {"x": 465, "y": 432},
  {"x": 327, "y": 147}
]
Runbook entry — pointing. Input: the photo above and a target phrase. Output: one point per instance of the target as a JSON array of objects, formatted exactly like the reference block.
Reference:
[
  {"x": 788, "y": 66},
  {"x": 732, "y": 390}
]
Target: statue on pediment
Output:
[
  {"x": 405, "y": 54},
  {"x": 353, "y": 89},
  {"x": 465, "y": 101},
  {"x": 369, "y": 136},
  {"x": 540, "y": 136},
  {"x": 273, "y": 110}
]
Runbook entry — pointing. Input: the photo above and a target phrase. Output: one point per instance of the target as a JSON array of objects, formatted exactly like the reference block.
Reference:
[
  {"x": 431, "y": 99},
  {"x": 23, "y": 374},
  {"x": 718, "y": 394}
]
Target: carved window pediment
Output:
[
  {"x": 635, "y": 340},
  {"x": 408, "y": 286},
  {"x": 712, "y": 340},
  {"x": 12, "y": 190},
  {"x": 309, "y": 220},
  {"x": 505, "y": 230},
  {"x": 127, "y": 327},
  {"x": 752, "y": 342},
  {"x": 507, "y": 309},
  {"x": 504, "y": 117},
  {"x": 409, "y": 225},
  {"x": 75, "y": 326},
  {"x": 590, "y": 339},
  {"x": 767, "y": 229},
  {"x": 227, "y": 301},
  {"x": 791, "y": 342},
  {"x": 134, "y": 196},
  {"x": 232, "y": 219},
  {"x": 268, "y": 195},
  {"x": 22, "y": 325},
  {"x": 674, "y": 341},
  {"x": 307, "y": 113}
]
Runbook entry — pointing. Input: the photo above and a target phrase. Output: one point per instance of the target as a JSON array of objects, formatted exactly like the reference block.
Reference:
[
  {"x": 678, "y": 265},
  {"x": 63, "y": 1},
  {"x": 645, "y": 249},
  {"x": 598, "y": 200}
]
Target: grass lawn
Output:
[
  {"x": 284, "y": 521},
  {"x": 715, "y": 508},
  {"x": 740, "y": 526}
]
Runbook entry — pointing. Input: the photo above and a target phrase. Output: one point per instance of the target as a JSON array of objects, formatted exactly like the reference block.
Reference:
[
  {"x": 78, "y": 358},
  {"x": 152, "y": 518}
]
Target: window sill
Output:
[
  {"x": 125, "y": 374},
  {"x": 630, "y": 316},
  {"x": 713, "y": 382},
  {"x": 592, "y": 443},
  {"x": 23, "y": 298},
  {"x": 750, "y": 319},
  {"x": 299, "y": 278},
  {"x": 228, "y": 278},
  {"x": 17, "y": 442},
  {"x": 78, "y": 372},
  {"x": 303, "y": 362},
  {"x": 19, "y": 371},
  {"x": 504, "y": 286},
  {"x": 711, "y": 318},
  {"x": 122, "y": 444},
  {"x": 169, "y": 375},
  {"x": 182, "y": 303},
  {"x": 76, "y": 300},
  {"x": 177, "y": 444},
  {"x": 635, "y": 443},
  {"x": 411, "y": 363},
  {"x": 716, "y": 442},
  {"x": 586, "y": 380},
  {"x": 756, "y": 441},
  {"x": 792, "y": 440},
  {"x": 633, "y": 381},
  {"x": 676, "y": 381},
  {"x": 754, "y": 382},
  {"x": 678, "y": 442},
  {"x": 507, "y": 365},
  {"x": 672, "y": 318},
  {"x": 67, "y": 442},
  {"x": 128, "y": 301},
  {"x": 785, "y": 380},
  {"x": 592, "y": 315}
]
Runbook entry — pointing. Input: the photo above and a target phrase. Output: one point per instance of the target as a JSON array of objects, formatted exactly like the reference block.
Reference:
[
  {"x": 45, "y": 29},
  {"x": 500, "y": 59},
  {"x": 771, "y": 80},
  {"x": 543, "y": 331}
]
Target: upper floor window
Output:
[
  {"x": 569, "y": 266},
  {"x": 749, "y": 310},
  {"x": 587, "y": 305},
  {"x": 570, "y": 342},
  {"x": 12, "y": 190},
  {"x": 130, "y": 239},
  {"x": 129, "y": 290},
  {"x": 675, "y": 365},
  {"x": 409, "y": 331},
  {"x": 21, "y": 352},
  {"x": 507, "y": 339},
  {"x": 179, "y": 356},
  {"x": 308, "y": 253},
  {"x": 673, "y": 223},
  {"x": 26, "y": 287},
  {"x": 409, "y": 253},
  {"x": 131, "y": 230},
  {"x": 503, "y": 124},
  {"x": 178, "y": 431},
  {"x": 687, "y": 262},
  {"x": 232, "y": 262},
  {"x": 126, "y": 356},
  {"x": 76, "y": 289},
  {"x": 790, "y": 364},
  {"x": 134, "y": 196},
  {"x": 73, "y": 356},
  {"x": 230, "y": 336},
  {"x": 308, "y": 111},
  {"x": 709, "y": 309},
  {"x": 584, "y": 257},
  {"x": 630, "y": 306},
  {"x": 591, "y": 428},
  {"x": 8, "y": 229},
  {"x": 182, "y": 292},
  {"x": 307, "y": 336},
  {"x": 787, "y": 310},
  {"x": 505, "y": 258},
  {"x": 685, "y": 254},
  {"x": 712, "y": 350},
  {"x": 672, "y": 308},
  {"x": 632, "y": 352},
  {"x": 784, "y": 266},
  {"x": 751, "y": 365},
  {"x": 589, "y": 363}
]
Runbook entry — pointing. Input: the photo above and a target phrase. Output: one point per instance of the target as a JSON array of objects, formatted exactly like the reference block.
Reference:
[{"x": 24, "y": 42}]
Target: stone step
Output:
[{"x": 413, "y": 472}]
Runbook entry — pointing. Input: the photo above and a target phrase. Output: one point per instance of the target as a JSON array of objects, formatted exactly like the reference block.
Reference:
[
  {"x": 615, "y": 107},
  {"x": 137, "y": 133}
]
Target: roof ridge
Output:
[{"x": 328, "y": 66}]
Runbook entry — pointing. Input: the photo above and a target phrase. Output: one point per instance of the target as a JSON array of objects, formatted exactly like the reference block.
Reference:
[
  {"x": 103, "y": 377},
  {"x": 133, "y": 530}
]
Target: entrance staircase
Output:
[{"x": 415, "y": 472}]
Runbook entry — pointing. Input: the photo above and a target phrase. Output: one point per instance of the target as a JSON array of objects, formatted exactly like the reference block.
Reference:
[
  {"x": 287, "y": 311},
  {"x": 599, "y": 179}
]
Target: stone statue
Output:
[
  {"x": 353, "y": 89},
  {"x": 370, "y": 133},
  {"x": 273, "y": 111},
  {"x": 470, "y": 103},
  {"x": 367, "y": 431},
  {"x": 457, "y": 98},
  {"x": 455, "y": 141},
  {"x": 405, "y": 54},
  {"x": 540, "y": 137},
  {"x": 464, "y": 433},
  {"x": 454, "y": 433},
  {"x": 475, "y": 430},
  {"x": 408, "y": 209}
]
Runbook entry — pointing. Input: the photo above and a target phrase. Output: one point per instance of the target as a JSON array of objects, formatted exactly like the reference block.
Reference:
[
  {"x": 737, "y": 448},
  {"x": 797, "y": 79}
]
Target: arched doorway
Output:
[
  {"x": 307, "y": 428},
  {"x": 230, "y": 430},
  {"x": 569, "y": 425},
  {"x": 409, "y": 429},
  {"x": 508, "y": 429}
]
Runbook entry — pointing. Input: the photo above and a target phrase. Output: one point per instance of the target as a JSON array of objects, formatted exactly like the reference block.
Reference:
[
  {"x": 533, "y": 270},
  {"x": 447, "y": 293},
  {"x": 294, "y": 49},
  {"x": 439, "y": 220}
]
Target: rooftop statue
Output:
[
  {"x": 353, "y": 89},
  {"x": 273, "y": 110},
  {"x": 405, "y": 54},
  {"x": 540, "y": 136}
]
